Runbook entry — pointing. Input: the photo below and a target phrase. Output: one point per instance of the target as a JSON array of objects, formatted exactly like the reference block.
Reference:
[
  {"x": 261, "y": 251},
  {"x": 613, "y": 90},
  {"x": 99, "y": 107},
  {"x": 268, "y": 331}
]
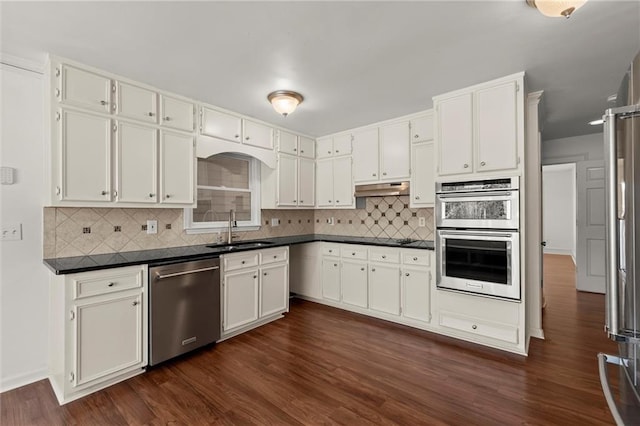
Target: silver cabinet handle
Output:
[
  {"x": 236, "y": 136},
  {"x": 111, "y": 284},
  {"x": 296, "y": 149},
  {"x": 337, "y": 150},
  {"x": 135, "y": 303},
  {"x": 167, "y": 118},
  {"x": 255, "y": 276},
  {"x": 330, "y": 251},
  {"x": 466, "y": 165},
  {"x": 373, "y": 269},
  {"x": 265, "y": 274},
  {"x": 417, "y": 197},
  {"x": 482, "y": 163},
  {"x": 195, "y": 271},
  {"x": 301, "y": 151},
  {"x": 329, "y": 200},
  {"x": 150, "y": 114},
  {"x": 362, "y": 269},
  {"x": 167, "y": 196},
  {"x": 104, "y": 192},
  {"x": 335, "y": 264},
  {"x": 384, "y": 173},
  {"x": 415, "y": 258},
  {"x": 474, "y": 326},
  {"x": 246, "y": 138},
  {"x": 337, "y": 201},
  {"x": 406, "y": 275},
  {"x": 152, "y": 195},
  {"x": 243, "y": 262},
  {"x": 104, "y": 103},
  {"x": 384, "y": 257},
  {"x": 302, "y": 201},
  {"x": 275, "y": 256},
  {"x": 353, "y": 254}
]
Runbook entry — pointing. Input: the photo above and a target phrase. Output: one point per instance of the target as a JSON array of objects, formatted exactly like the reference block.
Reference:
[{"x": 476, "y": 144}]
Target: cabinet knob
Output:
[
  {"x": 302, "y": 201},
  {"x": 353, "y": 254},
  {"x": 415, "y": 136},
  {"x": 152, "y": 195},
  {"x": 330, "y": 251},
  {"x": 167, "y": 196},
  {"x": 301, "y": 151},
  {"x": 111, "y": 284},
  {"x": 417, "y": 197},
  {"x": 384, "y": 173},
  {"x": 275, "y": 256},
  {"x": 167, "y": 118},
  {"x": 328, "y": 152},
  {"x": 265, "y": 274},
  {"x": 135, "y": 303},
  {"x": 246, "y": 138},
  {"x": 373, "y": 174},
  {"x": 295, "y": 149},
  {"x": 482, "y": 163},
  {"x": 255, "y": 276},
  {"x": 337, "y": 201},
  {"x": 373, "y": 269},
  {"x": 474, "y": 326},
  {"x": 243, "y": 262},
  {"x": 236, "y": 136},
  {"x": 406, "y": 275},
  {"x": 362, "y": 269},
  {"x": 104, "y": 192},
  {"x": 466, "y": 166},
  {"x": 329, "y": 200},
  {"x": 294, "y": 201},
  {"x": 415, "y": 258},
  {"x": 335, "y": 264},
  {"x": 103, "y": 102},
  {"x": 384, "y": 257},
  {"x": 150, "y": 114},
  {"x": 337, "y": 150}
]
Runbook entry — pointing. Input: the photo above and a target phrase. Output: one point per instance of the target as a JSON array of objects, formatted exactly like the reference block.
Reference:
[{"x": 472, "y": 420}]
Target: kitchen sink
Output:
[
  {"x": 406, "y": 241},
  {"x": 240, "y": 245}
]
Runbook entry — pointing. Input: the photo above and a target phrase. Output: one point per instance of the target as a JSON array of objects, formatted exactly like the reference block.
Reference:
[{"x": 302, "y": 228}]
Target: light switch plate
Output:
[
  {"x": 7, "y": 175},
  {"x": 422, "y": 222},
  {"x": 275, "y": 221},
  {"x": 152, "y": 227},
  {"x": 11, "y": 232}
]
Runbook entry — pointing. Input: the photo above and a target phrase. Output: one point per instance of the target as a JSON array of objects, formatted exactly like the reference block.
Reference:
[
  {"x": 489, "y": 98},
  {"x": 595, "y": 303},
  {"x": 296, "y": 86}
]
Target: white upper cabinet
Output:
[
  {"x": 136, "y": 163},
  {"x": 83, "y": 89},
  {"x": 306, "y": 147},
  {"x": 306, "y": 182},
  {"x": 256, "y": 134},
  {"x": 365, "y": 155},
  {"x": 334, "y": 146},
  {"x": 176, "y": 113},
  {"x": 136, "y": 102},
  {"x": 177, "y": 168},
  {"x": 422, "y": 128},
  {"x": 221, "y": 125},
  {"x": 481, "y": 129},
  {"x": 287, "y": 142},
  {"x": 324, "y": 147},
  {"x": 395, "y": 152},
  {"x": 324, "y": 185},
  {"x": 342, "y": 182},
  {"x": 287, "y": 181},
  {"x": 423, "y": 170}
]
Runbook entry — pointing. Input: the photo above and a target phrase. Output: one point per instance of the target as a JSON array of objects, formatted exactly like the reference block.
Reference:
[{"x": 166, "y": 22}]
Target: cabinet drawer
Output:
[
  {"x": 239, "y": 261},
  {"x": 389, "y": 256},
  {"x": 480, "y": 327},
  {"x": 87, "y": 285},
  {"x": 331, "y": 250},
  {"x": 353, "y": 252},
  {"x": 415, "y": 258},
  {"x": 279, "y": 254}
]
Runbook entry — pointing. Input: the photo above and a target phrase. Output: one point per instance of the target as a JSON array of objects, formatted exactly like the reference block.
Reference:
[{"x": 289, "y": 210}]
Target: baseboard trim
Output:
[
  {"x": 20, "y": 380},
  {"x": 538, "y": 333}
]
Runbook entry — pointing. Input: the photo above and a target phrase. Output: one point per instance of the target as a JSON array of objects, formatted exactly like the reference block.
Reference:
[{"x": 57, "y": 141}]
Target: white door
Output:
[
  {"x": 307, "y": 147},
  {"x": 85, "y": 156},
  {"x": 220, "y": 125},
  {"x": 136, "y": 102},
  {"x": 331, "y": 279},
  {"x": 84, "y": 89},
  {"x": 287, "y": 180},
  {"x": 384, "y": 288},
  {"x": 241, "y": 296},
  {"x": 108, "y": 336},
  {"x": 590, "y": 231},
  {"x": 324, "y": 185},
  {"x": 256, "y": 134},
  {"x": 365, "y": 156},
  {"x": 416, "y": 303},
  {"x": 306, "y": 182},
  {"x": 136, "y": 163},
  {"x": 274, "y": 289},
  {"x": 177, "y": 159},
  {"x": 395, "y": 151},
  {"x": 455, "y": 135},
  {"x": 422, "y": 129},
  {"x": 496, "y": 128},
  {"x": 354, "y": 283},
  {"x": 342, "y": 144},
  {"x": 287, "y": 142},
  {"x": 342, "y": 181},
  {"x": 422, "y": 175},
  {"x": 176, "y": 113}
]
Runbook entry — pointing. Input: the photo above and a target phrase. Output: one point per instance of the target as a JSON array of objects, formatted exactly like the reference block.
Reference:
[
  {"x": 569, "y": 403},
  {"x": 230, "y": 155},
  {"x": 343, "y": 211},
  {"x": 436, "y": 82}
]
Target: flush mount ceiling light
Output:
[
  {"x": 285, "y": 101},
  {"x": 556, "y": 8}
]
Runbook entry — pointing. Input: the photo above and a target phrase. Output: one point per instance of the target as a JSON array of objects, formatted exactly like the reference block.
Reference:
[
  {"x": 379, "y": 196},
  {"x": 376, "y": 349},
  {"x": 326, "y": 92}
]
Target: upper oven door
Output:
[{"x": 487, "y": 210}]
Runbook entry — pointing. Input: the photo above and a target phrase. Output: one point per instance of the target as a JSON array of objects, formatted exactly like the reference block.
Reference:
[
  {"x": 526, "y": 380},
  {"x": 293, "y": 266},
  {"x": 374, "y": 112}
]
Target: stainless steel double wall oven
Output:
[{"x": 478, "y": 237}]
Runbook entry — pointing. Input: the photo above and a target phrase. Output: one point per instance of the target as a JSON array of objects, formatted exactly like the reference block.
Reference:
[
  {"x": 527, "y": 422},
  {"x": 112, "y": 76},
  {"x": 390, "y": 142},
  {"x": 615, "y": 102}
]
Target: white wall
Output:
[
  {"x": 558, "y": 205},
  {"x": 573, "y": 149},
  {"x": 24, "y": 280}
]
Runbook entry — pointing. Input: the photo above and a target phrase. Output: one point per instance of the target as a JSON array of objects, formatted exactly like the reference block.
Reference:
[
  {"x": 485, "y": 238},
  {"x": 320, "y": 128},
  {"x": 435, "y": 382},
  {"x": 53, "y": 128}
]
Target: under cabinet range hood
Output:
[{"x": 382, "y": 189}]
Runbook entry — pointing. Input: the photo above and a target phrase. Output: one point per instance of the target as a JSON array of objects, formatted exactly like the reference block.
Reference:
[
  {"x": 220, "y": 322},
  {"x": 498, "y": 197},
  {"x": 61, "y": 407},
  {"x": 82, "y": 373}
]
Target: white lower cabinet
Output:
[
  {"x": 384, "y": 287},
  {"x": 415, "y": 295},
  {"x": 98, "y": 329},
  {"x": 353, "y": 277},
  {"x": 255, "y": 288},
  {"x": 331, "y": 278}
]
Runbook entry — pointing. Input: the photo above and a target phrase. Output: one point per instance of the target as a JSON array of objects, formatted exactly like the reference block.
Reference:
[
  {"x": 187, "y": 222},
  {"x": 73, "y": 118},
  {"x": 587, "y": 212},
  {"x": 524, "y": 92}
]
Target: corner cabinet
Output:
[
  {"x": 116, "y": 143},
  {"x": 255, "y": 289},
  {"x": 98, "y": 326},
  {"x": 481, "y": 129}
]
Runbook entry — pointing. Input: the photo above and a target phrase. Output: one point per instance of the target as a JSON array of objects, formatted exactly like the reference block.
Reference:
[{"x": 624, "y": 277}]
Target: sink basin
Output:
[
  {"x": 406, "y": 241},
  {"x": 240, "y": 244}
]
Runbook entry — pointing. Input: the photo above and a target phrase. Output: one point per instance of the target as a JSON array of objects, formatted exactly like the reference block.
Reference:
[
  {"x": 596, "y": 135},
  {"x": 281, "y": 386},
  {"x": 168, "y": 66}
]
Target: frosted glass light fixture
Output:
[
  {"x": 556, "y": 8},
  {"x": 285, "y": 101}
]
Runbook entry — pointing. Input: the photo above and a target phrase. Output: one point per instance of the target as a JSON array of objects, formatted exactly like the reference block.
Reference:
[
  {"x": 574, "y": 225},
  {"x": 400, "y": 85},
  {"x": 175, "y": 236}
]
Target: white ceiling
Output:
[{"x": 355, "y": 62}]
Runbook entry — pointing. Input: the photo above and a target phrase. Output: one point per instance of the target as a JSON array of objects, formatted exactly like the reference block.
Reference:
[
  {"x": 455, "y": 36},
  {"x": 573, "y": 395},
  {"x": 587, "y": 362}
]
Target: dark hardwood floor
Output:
[{"x": 321, "y": 365}]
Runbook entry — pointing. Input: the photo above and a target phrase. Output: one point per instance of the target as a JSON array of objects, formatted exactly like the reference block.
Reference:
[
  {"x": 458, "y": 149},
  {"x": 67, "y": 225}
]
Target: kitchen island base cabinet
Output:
[
  {"x": 255, "y": 289},
  {"x": 98, "y": 329}
]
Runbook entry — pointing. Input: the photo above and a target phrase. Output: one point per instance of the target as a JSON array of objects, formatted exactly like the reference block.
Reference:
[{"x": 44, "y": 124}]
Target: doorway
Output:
[{"x": 559, "y": 209}]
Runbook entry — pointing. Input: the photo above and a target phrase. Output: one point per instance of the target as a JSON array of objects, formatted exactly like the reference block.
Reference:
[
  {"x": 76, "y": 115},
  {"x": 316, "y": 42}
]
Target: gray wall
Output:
[{"x": 573, "y": 150}]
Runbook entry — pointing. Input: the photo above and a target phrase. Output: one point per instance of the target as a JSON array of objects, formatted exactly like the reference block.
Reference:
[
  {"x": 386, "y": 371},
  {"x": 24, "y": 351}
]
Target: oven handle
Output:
[
  {"x": 476, "y": 234},
  {"x": 476, "y": 194}
]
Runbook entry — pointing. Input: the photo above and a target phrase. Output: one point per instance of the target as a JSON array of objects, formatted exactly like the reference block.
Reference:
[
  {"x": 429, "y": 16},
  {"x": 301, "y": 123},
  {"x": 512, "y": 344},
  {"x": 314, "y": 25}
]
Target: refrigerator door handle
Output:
[
  {"x": 611, "y": 228},
  {"x": 603, "y": 360}
]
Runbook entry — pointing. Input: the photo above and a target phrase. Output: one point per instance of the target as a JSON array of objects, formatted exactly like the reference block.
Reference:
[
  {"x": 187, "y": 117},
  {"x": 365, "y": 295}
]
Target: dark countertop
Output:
[{"x": 70, "y": 265}]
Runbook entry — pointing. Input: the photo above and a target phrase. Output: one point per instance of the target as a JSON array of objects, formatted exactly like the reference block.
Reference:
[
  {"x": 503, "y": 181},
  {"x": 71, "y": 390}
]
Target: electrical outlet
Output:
[
  {"x": 330, "y": 221},
  {"x": 275, "y": 221},
  {"x": 422, "y": 222},
  {"x": 152, "y": 227},
  {"x": 11, "y": 232}
]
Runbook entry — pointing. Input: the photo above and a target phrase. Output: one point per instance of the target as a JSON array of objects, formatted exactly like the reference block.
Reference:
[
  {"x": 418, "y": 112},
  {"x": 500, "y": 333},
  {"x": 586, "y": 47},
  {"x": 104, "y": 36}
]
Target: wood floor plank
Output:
[{"x": 323, "y": 366}]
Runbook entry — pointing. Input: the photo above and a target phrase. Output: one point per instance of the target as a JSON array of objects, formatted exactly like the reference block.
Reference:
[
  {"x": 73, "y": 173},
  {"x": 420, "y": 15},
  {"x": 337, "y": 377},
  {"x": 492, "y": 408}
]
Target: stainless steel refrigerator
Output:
[{"x": 622, "y": 163}]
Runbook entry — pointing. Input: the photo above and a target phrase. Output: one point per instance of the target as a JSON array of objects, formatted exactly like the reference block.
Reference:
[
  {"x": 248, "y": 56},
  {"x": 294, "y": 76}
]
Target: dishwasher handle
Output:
[{"x": 193, "y": 271}]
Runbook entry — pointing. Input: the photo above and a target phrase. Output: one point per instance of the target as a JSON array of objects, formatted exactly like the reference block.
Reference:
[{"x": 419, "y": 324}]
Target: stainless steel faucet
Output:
[{"x": 232, "y": 223}]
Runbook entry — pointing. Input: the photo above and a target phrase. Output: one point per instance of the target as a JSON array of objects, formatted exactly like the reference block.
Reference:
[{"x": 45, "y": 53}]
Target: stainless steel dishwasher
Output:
[{"x": 184, "y": 311}]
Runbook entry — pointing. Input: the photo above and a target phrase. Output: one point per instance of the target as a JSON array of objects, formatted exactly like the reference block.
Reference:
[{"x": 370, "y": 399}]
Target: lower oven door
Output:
[{"x": 481, "y": 262}]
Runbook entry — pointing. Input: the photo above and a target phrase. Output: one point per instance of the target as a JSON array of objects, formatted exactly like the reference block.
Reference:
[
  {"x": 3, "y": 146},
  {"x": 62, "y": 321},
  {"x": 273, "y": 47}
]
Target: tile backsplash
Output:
[{"x": 81, "y": 231}]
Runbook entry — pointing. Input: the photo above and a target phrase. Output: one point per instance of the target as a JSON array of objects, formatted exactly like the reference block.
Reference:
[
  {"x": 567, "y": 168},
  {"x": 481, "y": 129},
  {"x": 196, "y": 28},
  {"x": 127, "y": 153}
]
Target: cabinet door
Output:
[
  {"x": 221, "y": 125},
  {"x": 241, "y": 296},
  {"x": 365, "y": 156},
  {"x": 136, "y": 163},
  {"x": 287, "y": 180},
  {"x": 307, "y": 147},
  {"x": 324, "y": 148},
  {"x": 274, "y": 290},
  {"x": 342, "y": 181},
  {"x": 137, "y": 103},
  {"x": 85, "y": 143},
  {"x": 324, "y": 186},
  {"x": 256, "y": 134},
  {"x": 84, "y": 89},
  {"x": 422, "y": 129},
  {"x": 306, "y": 182},
  {"x": 176, "y": 113},
  {"x": 496, "y": 128},
  {"x": 354, "y": 283},
  {"x": 177, "y": 160},
  {"x": 331, "y": 279},
  {"x": 416, "y": 303},
  {"x": 422, "y": 175},
  {"x": 287, "y": 143},
  {"x": 455, "y": 135},
  {"x": 384, "y": 288},
  {"x": 342, "y": 145},
  {"x": 107, "y": 336},
  {"x": 395, "y": 151}
]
